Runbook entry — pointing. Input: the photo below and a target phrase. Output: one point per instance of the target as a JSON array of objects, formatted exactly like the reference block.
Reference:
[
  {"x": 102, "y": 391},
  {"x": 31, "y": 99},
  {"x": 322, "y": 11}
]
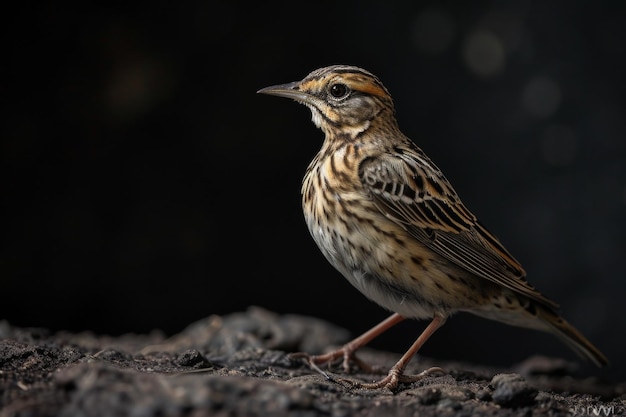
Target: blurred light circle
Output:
[{"x": 483, "y": 53}]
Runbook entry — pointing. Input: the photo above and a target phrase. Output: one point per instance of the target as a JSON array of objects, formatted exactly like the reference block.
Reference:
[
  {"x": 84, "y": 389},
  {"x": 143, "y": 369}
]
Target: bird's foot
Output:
[
  {"x": 347, "y": 355},
  {"x": 393, "y": 379}
]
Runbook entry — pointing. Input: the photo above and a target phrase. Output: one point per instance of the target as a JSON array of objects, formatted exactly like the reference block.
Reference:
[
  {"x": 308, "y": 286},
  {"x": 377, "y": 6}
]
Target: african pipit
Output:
[{"x": 386, "y": 217}]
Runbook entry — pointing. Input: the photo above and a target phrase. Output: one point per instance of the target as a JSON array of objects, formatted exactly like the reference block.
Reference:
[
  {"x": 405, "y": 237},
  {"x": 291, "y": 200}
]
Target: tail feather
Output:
[
  {"x": 523, "y": 312},
  {"x": 567, "y": 333}
]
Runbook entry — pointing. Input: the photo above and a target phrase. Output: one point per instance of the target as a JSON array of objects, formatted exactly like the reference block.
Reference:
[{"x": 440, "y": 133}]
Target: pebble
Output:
[{"x": 512, "y": 390}]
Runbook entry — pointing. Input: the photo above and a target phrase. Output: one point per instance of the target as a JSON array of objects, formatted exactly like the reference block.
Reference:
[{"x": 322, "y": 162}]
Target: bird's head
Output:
[{"x": 344, "y": 100}]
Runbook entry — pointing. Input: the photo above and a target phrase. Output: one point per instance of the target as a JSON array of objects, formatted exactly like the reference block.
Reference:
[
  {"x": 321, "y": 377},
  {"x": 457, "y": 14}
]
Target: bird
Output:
[{"x": 385, "y": 216}]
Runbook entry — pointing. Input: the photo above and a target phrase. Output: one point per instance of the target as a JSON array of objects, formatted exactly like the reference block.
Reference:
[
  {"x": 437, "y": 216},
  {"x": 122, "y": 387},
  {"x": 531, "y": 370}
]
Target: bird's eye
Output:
[{"x": 338, "y": 90}]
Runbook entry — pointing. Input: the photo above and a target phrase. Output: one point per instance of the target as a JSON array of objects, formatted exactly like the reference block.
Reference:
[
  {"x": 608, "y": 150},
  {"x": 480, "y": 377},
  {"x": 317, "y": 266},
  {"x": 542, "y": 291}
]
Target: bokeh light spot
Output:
[{"x": 483, "y": 53}]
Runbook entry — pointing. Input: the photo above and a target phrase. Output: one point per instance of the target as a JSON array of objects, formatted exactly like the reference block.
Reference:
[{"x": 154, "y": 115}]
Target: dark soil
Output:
[{"x": 239, "y": 365}]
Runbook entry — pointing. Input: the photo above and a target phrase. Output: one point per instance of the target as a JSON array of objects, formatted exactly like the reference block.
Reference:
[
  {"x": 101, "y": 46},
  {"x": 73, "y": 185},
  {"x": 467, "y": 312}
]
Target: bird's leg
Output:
[
  {"x": 348, "y": 351},
  {"x": 396, "y": 373}
]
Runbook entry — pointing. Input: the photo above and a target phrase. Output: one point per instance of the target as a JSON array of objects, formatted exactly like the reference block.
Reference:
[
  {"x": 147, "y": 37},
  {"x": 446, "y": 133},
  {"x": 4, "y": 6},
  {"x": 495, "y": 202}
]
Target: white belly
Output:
[{"x": 361, "y": 275}]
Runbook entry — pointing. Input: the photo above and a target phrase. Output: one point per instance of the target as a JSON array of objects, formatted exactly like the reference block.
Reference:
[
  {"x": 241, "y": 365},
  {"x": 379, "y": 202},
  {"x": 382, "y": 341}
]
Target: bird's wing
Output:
[{"x": 409, "y": 189}]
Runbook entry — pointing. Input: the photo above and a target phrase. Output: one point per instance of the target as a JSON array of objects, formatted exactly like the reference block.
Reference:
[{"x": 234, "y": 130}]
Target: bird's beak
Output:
[{"x": 289, "y": 90}]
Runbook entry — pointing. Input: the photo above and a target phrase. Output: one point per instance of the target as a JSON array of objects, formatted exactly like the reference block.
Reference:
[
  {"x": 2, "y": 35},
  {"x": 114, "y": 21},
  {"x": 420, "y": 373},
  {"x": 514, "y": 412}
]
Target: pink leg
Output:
[
  {"x": 347, "y": 351},
  {"x": 396, "y": 373}
]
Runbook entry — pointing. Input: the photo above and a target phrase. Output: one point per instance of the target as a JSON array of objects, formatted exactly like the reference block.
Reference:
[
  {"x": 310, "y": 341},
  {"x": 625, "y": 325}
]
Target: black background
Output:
[{"x": 145, "y": 185}]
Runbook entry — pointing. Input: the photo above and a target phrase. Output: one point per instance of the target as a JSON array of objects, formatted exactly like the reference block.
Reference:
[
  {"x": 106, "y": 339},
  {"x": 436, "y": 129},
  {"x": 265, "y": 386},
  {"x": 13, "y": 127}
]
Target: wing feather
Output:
[{"x": 409, "y": 189}]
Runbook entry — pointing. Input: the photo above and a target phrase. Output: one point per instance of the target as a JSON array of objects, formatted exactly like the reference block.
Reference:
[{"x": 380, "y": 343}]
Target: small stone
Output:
[
  {"x": 194, "y": 359},
  {"x": 512, "y": 390}
]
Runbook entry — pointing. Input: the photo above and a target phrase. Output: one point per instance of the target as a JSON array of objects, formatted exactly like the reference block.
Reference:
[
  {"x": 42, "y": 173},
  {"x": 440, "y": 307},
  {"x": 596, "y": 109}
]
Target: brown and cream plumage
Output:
[{"x": 386, "y": 217}]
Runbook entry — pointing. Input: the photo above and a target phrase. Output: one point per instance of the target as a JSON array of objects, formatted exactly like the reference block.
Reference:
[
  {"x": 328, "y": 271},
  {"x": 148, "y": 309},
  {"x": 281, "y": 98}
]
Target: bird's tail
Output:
[
  {"x": 532, "y": 314},
  {"x": 567, "y": 333}
]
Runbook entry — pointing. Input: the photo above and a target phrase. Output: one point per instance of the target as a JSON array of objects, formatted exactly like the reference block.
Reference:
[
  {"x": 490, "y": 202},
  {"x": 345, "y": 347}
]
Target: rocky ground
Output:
[{"x": 238, "y": 365}]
